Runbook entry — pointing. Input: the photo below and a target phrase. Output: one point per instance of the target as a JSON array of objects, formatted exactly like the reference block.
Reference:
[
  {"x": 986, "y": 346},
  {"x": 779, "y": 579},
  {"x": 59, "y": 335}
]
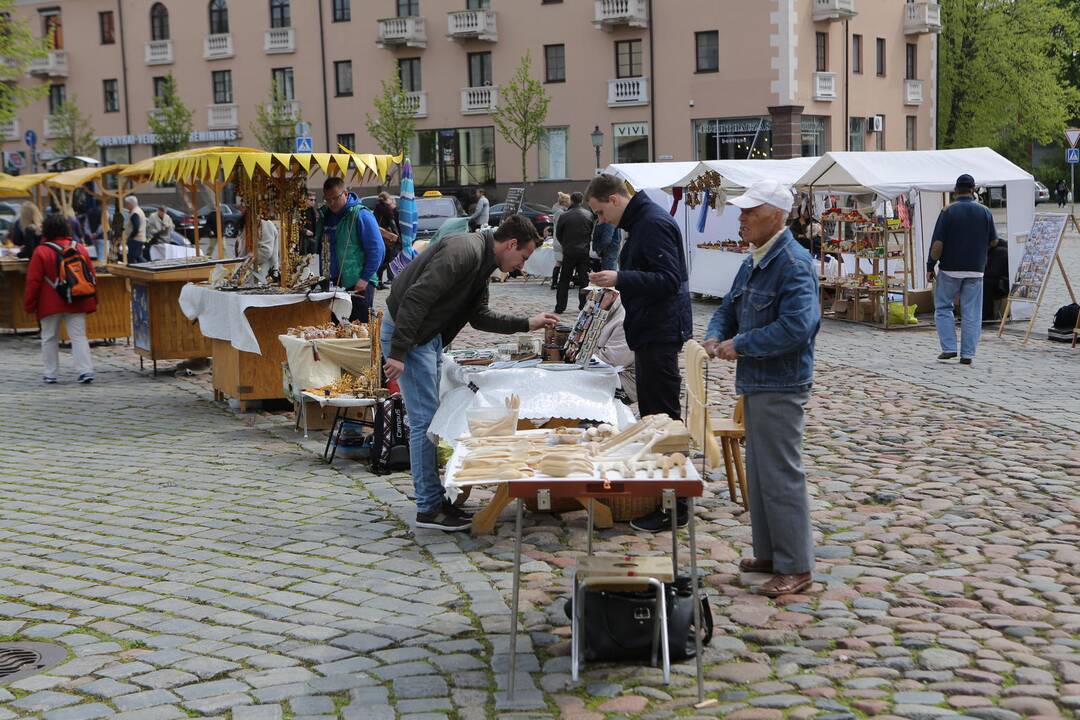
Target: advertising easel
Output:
[{"x": 1042, "y": 250}]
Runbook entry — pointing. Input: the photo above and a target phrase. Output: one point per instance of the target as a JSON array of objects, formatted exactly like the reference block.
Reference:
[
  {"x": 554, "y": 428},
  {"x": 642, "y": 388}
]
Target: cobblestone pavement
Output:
[{"x": 198, "y": 562}]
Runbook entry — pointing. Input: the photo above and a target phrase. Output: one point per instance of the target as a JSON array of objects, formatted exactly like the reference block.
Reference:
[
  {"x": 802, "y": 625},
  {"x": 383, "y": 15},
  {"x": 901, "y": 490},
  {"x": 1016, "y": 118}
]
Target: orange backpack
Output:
[{"x": 74, "y": 275}]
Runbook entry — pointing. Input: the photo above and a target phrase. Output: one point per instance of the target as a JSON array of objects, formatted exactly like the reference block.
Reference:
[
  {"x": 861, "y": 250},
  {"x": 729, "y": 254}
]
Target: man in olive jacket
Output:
[{"x": 431, "y": 300}]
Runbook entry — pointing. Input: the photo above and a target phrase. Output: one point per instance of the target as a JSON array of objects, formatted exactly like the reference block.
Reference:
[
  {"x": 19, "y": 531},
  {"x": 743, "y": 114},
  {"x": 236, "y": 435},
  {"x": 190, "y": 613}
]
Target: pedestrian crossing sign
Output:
[
  {"x": 1072, "y": 156},
  {"x": 303, "y": 144}
]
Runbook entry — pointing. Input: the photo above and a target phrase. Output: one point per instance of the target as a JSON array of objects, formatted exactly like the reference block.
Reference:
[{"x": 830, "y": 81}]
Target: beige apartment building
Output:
[{"x": 651, "y": 80}]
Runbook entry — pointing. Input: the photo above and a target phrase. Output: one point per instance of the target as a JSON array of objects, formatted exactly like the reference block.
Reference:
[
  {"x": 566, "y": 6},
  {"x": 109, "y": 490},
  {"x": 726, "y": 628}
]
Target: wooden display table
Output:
[
  {"x": 12, "y": 288},
  {"x": 161, "y": 332},
  {"x": 249, "y": 376},
  {"x": 111, "y": 321}
]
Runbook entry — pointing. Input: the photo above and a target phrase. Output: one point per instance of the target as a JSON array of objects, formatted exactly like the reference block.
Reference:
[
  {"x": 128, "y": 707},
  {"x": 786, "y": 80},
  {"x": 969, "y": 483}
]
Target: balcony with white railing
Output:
[
  {"x": 825, "y": 10},
  {"x": 159, "y": 52},
  {"x": 472, "y": 25},
  {"x": 628, "y": 92},
  {"x": 10, "y": 70},
  {"x": 52, "y": 127},
  {"x": 824, "y": 86},
  {"x": 223, "y": 116},
  {"x": 478, "y": 100},
  {"x": 913, "y": 92},
  {"x": 54, "y": 64},
  {"x": 611, "y": 14},
  {"x": 279, "y": 40},
  {"x": 402, "y": 32},
  {"x": 217, "y": 46},
  {"x": 417, "y": 102},
  {"x": 922, "y": 17},
  {"x": 10, "y": 130}
]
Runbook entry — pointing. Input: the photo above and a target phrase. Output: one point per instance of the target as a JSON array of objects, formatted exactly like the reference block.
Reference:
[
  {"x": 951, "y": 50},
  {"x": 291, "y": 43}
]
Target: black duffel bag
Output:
[{"x": 619, "y": 625}]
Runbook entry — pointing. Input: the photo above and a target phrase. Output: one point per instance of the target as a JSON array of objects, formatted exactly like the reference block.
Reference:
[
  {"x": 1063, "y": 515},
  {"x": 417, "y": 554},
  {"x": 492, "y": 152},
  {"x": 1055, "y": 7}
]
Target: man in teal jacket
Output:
[{"x": 352, "y": 247}]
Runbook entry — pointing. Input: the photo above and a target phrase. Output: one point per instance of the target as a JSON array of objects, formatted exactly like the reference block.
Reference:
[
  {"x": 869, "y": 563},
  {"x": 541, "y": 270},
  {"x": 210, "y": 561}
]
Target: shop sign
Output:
[
  {"x": 737, "y": 126},
  {"x": 627, "y": 130},
  {"x": 212, "y": 136}
]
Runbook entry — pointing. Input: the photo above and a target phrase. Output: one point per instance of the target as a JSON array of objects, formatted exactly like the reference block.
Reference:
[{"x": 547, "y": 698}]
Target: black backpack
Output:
[
  {"x": 1065, "y": 317},
  {"x": 390, "y": 441}
]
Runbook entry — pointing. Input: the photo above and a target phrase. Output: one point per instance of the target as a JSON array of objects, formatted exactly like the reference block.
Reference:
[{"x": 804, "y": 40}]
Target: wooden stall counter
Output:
[
  {"x": 12, "y": 287},
  {"x": 160, "y": 330}
]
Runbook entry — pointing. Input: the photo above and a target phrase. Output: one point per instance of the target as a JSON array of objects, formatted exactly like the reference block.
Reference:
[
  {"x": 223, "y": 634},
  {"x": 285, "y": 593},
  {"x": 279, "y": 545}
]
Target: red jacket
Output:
[{"x": 40, "y": 298}]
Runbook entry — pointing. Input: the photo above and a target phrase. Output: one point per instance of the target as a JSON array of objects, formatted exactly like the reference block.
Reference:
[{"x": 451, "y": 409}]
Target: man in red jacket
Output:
[{"x": 41, "y": 299}]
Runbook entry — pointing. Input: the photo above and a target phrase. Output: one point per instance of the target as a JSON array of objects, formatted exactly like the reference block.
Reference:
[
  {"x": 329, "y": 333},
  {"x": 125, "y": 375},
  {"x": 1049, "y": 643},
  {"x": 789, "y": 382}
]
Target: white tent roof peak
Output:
[{"x": 891, "y": 173}]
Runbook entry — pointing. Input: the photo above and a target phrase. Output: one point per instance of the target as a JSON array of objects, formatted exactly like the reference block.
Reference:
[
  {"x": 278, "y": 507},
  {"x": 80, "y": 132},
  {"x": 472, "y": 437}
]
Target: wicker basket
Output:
[{"x": 624, "y": 509}]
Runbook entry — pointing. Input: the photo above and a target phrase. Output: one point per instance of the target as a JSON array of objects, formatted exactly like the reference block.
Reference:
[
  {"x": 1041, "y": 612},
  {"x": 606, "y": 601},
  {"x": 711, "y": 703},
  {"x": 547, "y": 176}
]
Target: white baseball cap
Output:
[{"x": 765, "y": 192}]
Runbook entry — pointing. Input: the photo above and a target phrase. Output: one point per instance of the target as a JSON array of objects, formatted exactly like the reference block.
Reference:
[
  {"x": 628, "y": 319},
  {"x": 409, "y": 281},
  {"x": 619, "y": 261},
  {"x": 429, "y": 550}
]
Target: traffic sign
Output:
[
  {"x": 303, "y": 128},
  {"x": 31, "y": 138},
  {"x": 1072, "y": 156},
  {"x": 1073, "y": 136},
  {"x": 303, "y": 144},
  {"x": 15, "y": 160}
]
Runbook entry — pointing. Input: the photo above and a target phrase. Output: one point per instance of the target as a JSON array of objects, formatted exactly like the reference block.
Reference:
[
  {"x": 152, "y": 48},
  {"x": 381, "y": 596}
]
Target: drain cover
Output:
[{"x": 19, "y": 660}]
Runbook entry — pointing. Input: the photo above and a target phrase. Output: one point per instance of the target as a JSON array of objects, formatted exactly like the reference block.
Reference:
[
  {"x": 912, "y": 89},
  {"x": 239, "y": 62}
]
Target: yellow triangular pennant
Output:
[
  {"x": 212, "y": 164},
  {"x": 249, "y": 161},
  {"x": 304, "y": 159},
  {"x": 228, "y": 162},
  {"x": 265, "y": 161},
  {"x": 383, "y": 163},
  {"x": 323, "y": 161},
  {"x": 342, "y": 161},
  {"x": 285, "y": 159}
]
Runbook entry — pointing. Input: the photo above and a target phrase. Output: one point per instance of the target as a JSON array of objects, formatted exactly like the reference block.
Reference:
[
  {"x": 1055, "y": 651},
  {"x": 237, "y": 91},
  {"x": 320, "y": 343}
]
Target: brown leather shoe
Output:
[
  {"x": 786, "y": 584},
  {"x": 748, "y": 565}
]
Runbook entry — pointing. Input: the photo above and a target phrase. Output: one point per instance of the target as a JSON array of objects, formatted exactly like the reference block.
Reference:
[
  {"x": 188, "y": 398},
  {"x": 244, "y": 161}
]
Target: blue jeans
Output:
[
  {"x": 420, "y": 391},
  {"x": 970, "y": 291}
]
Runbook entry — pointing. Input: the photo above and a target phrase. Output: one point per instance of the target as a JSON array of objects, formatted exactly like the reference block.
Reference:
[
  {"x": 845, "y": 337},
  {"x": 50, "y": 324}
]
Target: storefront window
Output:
[
  {"x": 733, "y": 138},
  {"x": 814, "y": 136},
  {"x": 553, "y": 154},
  {"x": 631, "y": 142},
  {"x": 453, "y": 157},
  {"x": 857, "y": 134}
]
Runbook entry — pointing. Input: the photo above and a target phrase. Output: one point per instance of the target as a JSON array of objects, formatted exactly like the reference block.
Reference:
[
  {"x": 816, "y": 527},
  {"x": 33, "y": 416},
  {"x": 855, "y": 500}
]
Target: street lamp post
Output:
[{"x": 597, "y": 136}]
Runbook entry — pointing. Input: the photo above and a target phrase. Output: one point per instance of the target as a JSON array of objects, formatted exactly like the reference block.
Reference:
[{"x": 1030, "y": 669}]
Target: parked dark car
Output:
[
  {"x": 431, "y": 212},
  {"x": 185, "y": 224},
  {"x": 231, "y": 220},
  {"x": 540, "y": 215}
]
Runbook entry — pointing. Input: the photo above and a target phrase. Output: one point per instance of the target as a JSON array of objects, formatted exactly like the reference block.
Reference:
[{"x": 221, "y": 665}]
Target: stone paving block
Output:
[
  {"x": 280, "y": 676},
  {"x": 107, "y": 688},
  {"x": 144, "y": 699},
  {"x": 45, "y": 700},
  {"x": 311, "y": 705},
  {"x": 211, "y": 689},
  {"x": 119, "y": 671},
  {"x": 257, "y": 712},
  {"x": 205, "y": 667},
  {"x": 425, "y": 705},
  {"x": 217, "y": 704},
  {"x": 164, "y": 679},
  {"x": 368, "y": 712},
  {"x": 88, "y": 711},
  {"x": 420, "y": 686},
  {"x": 161, "y": 712}
]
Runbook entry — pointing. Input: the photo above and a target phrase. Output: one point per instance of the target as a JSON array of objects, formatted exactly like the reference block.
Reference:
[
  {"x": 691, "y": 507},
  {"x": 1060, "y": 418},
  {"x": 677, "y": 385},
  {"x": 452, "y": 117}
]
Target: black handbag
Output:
[{"x": 619, "y": 625}]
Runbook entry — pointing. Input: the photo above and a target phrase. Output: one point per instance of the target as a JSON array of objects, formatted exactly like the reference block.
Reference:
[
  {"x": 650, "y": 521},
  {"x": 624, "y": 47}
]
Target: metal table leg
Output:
[
  {"x": 697, "y": 602},
  {"x": 514, "y": 602},
  {"x": 589, "y": 526},
  {"x": 671, "y": 505},
  {"x": 337, "y": 426}
]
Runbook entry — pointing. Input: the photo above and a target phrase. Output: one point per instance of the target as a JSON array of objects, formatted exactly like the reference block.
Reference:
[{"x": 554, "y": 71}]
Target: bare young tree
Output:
[{"x": 520, "y": 111}]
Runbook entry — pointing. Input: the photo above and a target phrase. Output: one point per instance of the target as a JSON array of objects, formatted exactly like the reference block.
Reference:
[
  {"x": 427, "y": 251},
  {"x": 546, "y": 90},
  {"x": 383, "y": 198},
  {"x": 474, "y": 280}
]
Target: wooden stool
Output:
[
  {"x": 621, "y": 573},
  {"x": 732, "y": 432}
]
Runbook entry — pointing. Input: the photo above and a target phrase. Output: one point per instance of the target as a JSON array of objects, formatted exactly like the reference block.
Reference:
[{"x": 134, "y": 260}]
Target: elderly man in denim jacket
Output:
[{"x": 767, "y": 324}]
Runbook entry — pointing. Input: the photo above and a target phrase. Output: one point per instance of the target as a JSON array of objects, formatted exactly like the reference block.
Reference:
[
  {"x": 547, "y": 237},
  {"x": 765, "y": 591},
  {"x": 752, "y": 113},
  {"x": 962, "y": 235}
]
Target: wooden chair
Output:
[{"x": 705, "y": 430}]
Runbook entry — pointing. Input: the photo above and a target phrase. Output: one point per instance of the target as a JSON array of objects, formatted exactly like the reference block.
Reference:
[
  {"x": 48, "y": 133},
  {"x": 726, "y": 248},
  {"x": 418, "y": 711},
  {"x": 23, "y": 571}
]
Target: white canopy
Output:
[
  {"x": 891, "y": 173},
  {"x": 658, "y": 175},
  {"x": 740, "y": 174}
]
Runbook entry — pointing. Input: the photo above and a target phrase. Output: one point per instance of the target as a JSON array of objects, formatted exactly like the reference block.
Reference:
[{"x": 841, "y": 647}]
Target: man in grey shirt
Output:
[{"x": 479, "y": 217}]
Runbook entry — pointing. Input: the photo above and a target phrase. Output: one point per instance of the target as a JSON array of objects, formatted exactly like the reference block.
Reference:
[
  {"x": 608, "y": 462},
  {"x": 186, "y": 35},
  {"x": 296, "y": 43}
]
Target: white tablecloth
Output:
[
  {"x": 162, "y": 251},
  {"x": 570, "y": 394},
  {"x": 221, "y": 314},
  {"x": 541, "y": 263}
]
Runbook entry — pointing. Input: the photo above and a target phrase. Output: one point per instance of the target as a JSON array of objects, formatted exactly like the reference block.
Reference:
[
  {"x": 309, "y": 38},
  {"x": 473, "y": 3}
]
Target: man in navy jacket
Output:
[{"x": 654, "y": 285}]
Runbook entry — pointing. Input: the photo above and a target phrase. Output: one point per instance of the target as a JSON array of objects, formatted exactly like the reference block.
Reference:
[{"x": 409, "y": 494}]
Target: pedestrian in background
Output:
[
  {"x": 767, "y": 325},
  {"x": 605, "y": 243},
  {"x": 962, "y": 239},
  {"x": 562, "y": 202},
  {"x": 29, "y": 230},
  {"x": 575, "y": 227},
  {"x": 135, "y": 231},
  {"x": 42, "y": 299},
  {"x": 479, "y": 217}
]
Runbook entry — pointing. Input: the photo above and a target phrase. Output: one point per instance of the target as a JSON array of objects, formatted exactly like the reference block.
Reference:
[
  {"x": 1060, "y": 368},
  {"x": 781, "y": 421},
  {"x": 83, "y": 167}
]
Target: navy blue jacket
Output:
[
  {"x": 966, "y": 231},
  {"x": 653, "y": 279}
]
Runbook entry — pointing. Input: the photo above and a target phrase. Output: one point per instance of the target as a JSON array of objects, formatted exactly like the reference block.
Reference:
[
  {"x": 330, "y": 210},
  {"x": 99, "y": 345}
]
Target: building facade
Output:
[{"x": 649, "y": 79}]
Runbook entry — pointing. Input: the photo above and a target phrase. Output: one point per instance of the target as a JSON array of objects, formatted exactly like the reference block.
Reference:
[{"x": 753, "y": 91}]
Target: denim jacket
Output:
[{"x": 773, "y": 311}]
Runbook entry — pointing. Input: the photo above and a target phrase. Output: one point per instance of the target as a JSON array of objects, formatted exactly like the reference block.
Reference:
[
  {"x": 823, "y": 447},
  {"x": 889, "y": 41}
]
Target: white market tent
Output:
[
  {"x": 711, "y": 271},
  {"x": 927, "y": 176}
]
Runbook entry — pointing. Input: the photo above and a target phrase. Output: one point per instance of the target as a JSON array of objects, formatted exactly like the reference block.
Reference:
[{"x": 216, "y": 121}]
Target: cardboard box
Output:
[
  {"x": 321, "y": 418},
  {"x": 923, "y": 298}
]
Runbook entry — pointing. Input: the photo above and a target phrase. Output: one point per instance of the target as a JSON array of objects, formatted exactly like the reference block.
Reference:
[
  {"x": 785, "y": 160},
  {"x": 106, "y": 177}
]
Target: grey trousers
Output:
[{"x": 779, "y": 506}]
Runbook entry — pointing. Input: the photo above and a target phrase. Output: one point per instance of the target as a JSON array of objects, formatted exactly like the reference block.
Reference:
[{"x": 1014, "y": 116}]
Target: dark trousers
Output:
[
  {"x": 656, "y": 370},
  {"x": 572, "y": 267},
  {"x": 138, "y": 252},
  {"x": 362, "y": 303}
]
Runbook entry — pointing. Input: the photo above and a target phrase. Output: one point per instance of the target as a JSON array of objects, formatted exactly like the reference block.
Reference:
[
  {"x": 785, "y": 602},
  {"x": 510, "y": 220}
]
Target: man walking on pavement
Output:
[
  {"x": 767, "y": 324},
  {"x": 574, "y": 230},
  {"x": 653, "y": 283},
  {"x": 962, "y": 240},
  {"x": 479, "y": 217},
  {"x": 437, "y": 294}
]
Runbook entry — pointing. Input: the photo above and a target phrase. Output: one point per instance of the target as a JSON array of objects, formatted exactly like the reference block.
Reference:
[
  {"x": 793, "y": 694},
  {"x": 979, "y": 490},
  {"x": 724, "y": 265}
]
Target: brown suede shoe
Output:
[
  {"x": 748, "y": 565},
  {"x": 786, "y": 584}
]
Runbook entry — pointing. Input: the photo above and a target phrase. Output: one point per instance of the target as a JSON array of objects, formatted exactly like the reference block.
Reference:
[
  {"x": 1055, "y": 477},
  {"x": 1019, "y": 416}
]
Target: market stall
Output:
[{"x": 880, "y": 209}]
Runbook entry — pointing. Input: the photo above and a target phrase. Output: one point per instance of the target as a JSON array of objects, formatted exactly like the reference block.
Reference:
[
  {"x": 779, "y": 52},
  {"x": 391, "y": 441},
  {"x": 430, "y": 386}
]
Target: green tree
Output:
[
  {"x": 1003, "y": 73},
  {"x": 275, "y": 122},
  {"x": 394, "y": 123},
  {"x": 18, "y": 47},
  {"x": 521, "y": 110},
  {"x": 170, "y": 120},
  {"x": 74, "y": 133}
]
